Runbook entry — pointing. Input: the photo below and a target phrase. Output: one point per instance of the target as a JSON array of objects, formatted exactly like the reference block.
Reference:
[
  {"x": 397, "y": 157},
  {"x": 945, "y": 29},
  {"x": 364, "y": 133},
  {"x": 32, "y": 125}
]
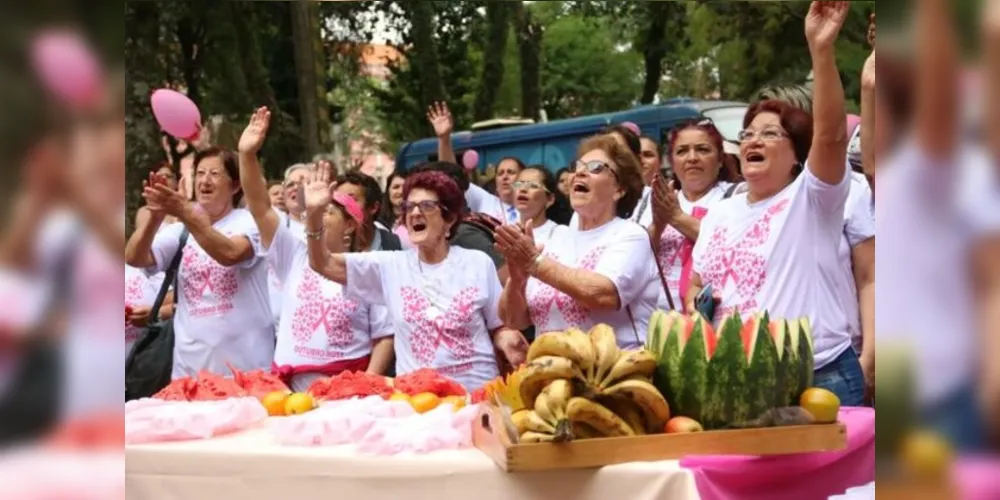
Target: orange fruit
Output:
[
  {"x": 399, "y": 396},
  {"x": 424, "y": 402},
  {"x": 926, "y": 455},
  {"x": 456, "y": 402},
  {"x": 275, "y": 403},
  {"x": 822, "y": 404},
  {"x": 299, "y": 403}
]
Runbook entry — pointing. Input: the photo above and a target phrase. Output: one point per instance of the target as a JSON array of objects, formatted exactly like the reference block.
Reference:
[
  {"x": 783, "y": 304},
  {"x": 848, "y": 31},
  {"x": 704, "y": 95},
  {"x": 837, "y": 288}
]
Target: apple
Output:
[{"x": 682, "y": 425}]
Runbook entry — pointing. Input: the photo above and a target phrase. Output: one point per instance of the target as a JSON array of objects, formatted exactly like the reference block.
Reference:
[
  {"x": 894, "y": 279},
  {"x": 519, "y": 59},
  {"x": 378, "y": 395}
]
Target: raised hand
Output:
[
  {"x": 253, "y": 136},
  {"x": 318, "y": 189},
  {"x": 440, "y": 118},
  {"x": 991, "y": 22},
  {"x": 824, "y": 21},
  {"x": 868, "y": 73}
]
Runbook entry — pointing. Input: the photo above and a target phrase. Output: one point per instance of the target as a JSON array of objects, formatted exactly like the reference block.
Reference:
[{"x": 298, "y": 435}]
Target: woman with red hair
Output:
[
  {"x": 702, "y": 178},
  {"x": 442, "y": 299},
  {"x": 775, "y": 247}
]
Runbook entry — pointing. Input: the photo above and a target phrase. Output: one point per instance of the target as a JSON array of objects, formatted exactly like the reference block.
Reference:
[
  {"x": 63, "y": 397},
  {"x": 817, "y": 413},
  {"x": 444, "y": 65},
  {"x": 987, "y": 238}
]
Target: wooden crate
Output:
[{"x": 491, "y": 438}]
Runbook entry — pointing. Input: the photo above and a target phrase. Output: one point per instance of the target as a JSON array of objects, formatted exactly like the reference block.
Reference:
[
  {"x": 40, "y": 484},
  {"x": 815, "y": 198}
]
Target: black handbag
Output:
[
  {"x": 30, "y": 404},
  {"x": 149, "y": 365}
]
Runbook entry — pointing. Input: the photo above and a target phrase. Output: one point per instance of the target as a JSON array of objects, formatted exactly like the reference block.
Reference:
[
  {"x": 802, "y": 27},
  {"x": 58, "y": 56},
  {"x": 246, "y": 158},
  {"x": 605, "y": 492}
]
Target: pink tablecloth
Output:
[
  {"x": 796, "y": 477},
  {"x": 978, "y": 478}
]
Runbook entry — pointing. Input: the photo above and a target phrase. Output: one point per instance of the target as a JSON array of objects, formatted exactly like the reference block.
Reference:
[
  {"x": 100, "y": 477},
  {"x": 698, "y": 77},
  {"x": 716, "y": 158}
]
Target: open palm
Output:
[
  {"x": 824, "y": 21},
  {"x": 318, "y": 191},
  {"x": 253, "y": 136},
  {"x": 440, "y": 118}
]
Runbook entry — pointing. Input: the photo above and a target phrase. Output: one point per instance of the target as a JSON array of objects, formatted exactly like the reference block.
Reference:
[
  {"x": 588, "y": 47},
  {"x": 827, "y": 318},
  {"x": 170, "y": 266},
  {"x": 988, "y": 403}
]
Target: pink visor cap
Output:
[{"x": 350, "y": 205}]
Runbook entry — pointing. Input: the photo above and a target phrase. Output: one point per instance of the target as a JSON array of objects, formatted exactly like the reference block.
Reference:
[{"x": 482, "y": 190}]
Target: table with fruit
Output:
[{"x": 376, "y": 437}]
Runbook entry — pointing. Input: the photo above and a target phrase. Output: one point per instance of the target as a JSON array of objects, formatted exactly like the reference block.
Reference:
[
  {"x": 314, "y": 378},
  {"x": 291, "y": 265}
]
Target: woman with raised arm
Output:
[
  {"x": 600, "y": 272},
  {"x": 442, "y": 299},
  {"x": 775, "y": 247},
  {"x": 223, "y": 312},
  {"x": 321, "y": 332}
]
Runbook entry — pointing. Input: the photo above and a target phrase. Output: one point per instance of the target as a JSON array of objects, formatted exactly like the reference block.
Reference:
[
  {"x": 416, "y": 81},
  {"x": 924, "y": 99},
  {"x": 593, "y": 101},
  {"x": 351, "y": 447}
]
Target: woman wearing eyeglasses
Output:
[
  {"x": 702, "y": 178},
  {"x": 776, "y": 247},
  {"x": 540, "y": 203},
  {"x": 442, "y": 299},
  {"x": 600, "y": 272}
]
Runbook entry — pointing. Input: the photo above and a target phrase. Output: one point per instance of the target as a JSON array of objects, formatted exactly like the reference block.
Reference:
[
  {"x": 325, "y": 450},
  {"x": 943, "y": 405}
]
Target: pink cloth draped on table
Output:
[
  {"x": 795, "y": 477},
  {"x": 978, "y": 478}
]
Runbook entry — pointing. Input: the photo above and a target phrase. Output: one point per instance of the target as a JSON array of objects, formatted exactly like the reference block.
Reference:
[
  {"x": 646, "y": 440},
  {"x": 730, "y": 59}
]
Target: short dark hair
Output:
[
  {"x": 631, "y": 139},
  {"x": 373, "y": 192},
  {"x": 229, "y": 162},
  {"x": 796, "y": 121},
  {"x": 451, "y": 198},
  {"x": 457, "y": 173}
]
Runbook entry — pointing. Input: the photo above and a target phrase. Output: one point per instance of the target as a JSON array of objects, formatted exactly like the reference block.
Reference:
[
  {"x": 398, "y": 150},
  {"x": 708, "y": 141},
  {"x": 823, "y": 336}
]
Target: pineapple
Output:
[{"x": 507, "y": 390}]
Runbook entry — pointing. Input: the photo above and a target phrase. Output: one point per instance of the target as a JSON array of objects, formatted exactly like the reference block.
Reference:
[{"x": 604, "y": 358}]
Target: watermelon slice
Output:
[{"x": 725, "y": 402}]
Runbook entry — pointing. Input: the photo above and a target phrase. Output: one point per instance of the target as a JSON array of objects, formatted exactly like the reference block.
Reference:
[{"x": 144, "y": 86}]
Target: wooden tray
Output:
[{"x": 489, "y": 436}]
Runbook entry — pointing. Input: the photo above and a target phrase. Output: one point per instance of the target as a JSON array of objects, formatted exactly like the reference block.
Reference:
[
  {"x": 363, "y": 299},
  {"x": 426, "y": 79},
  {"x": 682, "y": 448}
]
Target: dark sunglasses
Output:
[
  {"x": 425, "y": 206},
  {"x": 593, "y": 167}
]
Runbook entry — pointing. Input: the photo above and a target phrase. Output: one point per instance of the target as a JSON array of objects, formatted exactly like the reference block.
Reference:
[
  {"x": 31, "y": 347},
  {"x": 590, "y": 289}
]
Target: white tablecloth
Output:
[{"x": 249, "y": 466}]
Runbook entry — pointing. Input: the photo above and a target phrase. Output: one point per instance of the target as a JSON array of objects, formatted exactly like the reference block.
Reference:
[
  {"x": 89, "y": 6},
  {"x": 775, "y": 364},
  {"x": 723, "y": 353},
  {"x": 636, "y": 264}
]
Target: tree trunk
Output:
[
  {"x": 305, "y": 66},
  {"x": 425, "y": 56},
  {"x": 498, "y": 27},
  {"x": 655, "y": 49},
  {"x": 529, "y": 40}
]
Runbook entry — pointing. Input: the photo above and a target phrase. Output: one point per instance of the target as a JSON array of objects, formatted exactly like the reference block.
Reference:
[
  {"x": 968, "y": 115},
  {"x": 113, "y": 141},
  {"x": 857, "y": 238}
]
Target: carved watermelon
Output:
[{"x": 732, "y": 377}]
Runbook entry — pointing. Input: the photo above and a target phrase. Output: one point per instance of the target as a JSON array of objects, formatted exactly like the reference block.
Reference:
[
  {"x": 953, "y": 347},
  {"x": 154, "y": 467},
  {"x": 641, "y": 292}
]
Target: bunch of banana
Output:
[
  {"x": 548, "y": 421},
  {"x": 582, "y": 385}
]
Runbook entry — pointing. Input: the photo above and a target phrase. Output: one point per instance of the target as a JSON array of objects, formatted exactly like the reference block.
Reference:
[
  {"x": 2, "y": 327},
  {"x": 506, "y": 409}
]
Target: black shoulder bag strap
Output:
[
  {"x": 731, "y": 191},
  {"x": 169, "y": 279}
]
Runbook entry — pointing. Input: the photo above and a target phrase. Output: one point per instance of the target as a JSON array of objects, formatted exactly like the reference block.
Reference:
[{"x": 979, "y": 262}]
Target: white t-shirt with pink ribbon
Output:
[
  {"x": 619, "y": 251},
  {"x": 223, "y": 314},
  {"x": 442, "y": 314},
  {"x": 320, "y": 325},
  {"x": 140, "y": 291},
  {"x": 672, "y": 243},
  {"x": 781, "y": 255}
]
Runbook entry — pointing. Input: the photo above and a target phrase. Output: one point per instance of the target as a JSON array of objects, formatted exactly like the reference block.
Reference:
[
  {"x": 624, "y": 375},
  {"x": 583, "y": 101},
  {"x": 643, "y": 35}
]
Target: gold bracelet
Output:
[{"x": 315, "y": 235}]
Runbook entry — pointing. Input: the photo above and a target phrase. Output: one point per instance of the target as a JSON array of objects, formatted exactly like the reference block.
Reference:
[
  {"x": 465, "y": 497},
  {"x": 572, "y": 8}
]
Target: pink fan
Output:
[
  {"x": 177, "y": 114},
  {"x": 470, "y": 160},
  {"x": 67, "y": 67},
  {"x": 853, "y": 121},
  {"x": 633, "y": 127}
]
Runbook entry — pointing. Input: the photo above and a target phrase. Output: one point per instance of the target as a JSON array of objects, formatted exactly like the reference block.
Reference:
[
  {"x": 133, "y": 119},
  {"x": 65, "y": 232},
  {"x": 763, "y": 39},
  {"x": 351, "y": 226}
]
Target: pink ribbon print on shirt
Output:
[
  {"x": 450, "y": 327},
  {"x": 742, "y": 264},
  {"x": 134, "y": 288},
  {"x": 329, "y": 312},
  {"x": 545, "y": 297},
  {"x": 203, "y": 277}
]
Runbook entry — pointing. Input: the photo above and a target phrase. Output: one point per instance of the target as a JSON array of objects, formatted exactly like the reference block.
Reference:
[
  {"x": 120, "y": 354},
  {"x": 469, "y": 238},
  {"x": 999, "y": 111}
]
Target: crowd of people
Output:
[{"x": 318, "y": 273}]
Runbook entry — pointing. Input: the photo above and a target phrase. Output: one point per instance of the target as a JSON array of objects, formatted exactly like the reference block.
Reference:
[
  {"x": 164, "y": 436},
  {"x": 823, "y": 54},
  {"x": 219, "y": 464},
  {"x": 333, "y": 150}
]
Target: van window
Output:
[{"x": 728, "y": 120}]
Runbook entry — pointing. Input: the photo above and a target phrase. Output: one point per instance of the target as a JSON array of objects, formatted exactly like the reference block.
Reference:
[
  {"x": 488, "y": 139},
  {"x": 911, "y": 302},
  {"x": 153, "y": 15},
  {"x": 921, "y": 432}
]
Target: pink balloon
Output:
[
  {"x": 177, "y": 114},
  {"x": 470, "y": 160},
  {"x": 67, "y": 67},
  {"x": 633, "y": 127}
]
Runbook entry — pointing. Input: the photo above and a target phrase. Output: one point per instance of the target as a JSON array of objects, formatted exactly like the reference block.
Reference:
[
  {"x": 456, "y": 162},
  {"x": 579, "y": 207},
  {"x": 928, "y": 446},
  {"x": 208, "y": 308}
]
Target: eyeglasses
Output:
[
  {"x": 519, "y": 185},
  {"x": 594, "y": 167},
  {"x": 425, "y": 207},
  {"x": 770, "y": 134}
]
